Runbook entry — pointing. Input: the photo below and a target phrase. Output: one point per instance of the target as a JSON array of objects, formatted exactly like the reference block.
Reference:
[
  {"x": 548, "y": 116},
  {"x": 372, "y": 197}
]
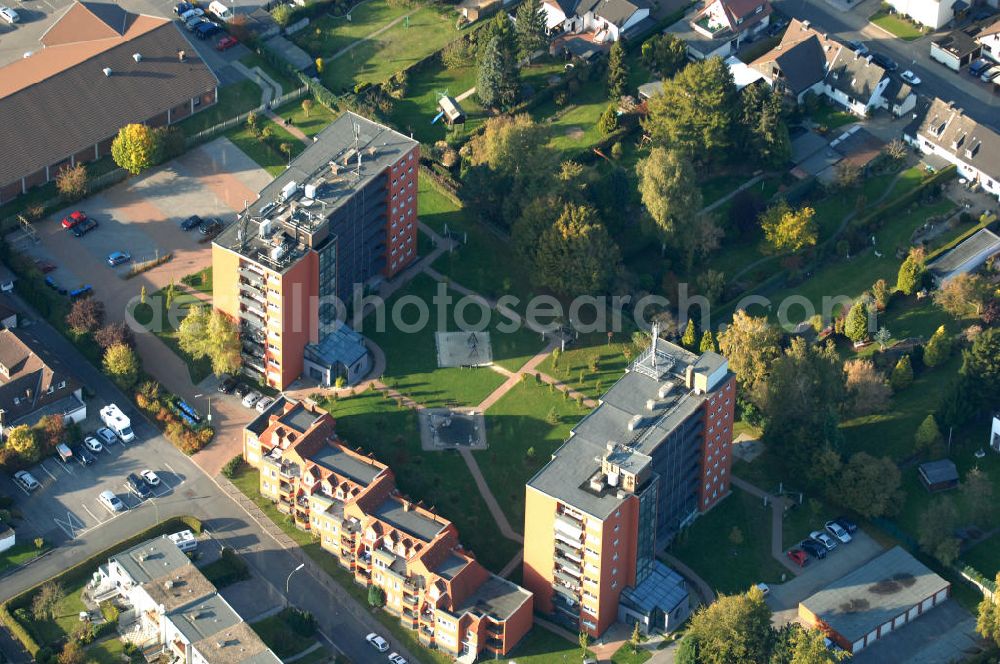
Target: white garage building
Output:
[{"x": 882, "y": 595}]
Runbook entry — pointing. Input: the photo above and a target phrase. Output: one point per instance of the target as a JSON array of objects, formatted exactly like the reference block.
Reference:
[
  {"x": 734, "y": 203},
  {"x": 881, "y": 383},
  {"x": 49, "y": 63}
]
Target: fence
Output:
[
  {"x": 94, "y": 185},
  {"x": 214, "y": 130}
]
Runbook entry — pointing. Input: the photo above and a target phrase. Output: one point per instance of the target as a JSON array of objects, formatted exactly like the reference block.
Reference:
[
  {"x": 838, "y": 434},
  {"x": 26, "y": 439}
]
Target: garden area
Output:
[
  {"x": 162, "y": 315},
  {"x": 289, "y": 633},
  {"x": 590, "y": 364},
  {"x": 730, "y": 546},
  {"x": 21, "y": 553},
  {"x": 541, "y": 646},
  {"x": 897, "y": 24},
  {"x": 267, "y": 143},
  {"x": 233, "y": 99}
]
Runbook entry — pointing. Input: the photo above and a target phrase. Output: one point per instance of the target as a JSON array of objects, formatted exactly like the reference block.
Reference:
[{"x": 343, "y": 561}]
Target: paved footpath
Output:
[{"x": 778, "y": 505}]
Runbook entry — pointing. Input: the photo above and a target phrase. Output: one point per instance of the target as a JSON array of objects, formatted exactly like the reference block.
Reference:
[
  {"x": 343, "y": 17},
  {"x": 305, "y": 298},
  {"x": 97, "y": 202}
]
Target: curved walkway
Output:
[{"x": 778, "y": 505}]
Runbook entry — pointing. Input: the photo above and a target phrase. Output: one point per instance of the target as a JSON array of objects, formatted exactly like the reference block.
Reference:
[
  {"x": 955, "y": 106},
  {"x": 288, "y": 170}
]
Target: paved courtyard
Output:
[{"x": 142, "y": 216}]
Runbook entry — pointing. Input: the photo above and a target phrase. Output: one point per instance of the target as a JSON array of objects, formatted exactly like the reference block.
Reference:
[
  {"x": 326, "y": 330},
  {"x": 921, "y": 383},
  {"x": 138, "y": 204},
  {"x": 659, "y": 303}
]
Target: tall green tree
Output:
[
  {"x": 690, "y": 336},
  {"x": 789, "y": 230},
  {"x": 608, "y": 122},
  {"x": 576, "y": 255},
  {"x": 870, "y": 486},
  {"x": 735, "y": 629},
  {"x": 121, "y": 363},
  {"x": 928, "y": 439},
  {"x": 763, "y": 135},
  {"x": 696, "y": 112},
  {"x": 665, "y": 54},
  {"x": 988, "y": 618},
  {"x": 211, "y": 334},
  {"x": 617, "y": 72},
  {"x": 981, "y": 366},
  {"x": 938, "y": 349},
  {"x": 670, "y": 193},
  {"x": 136, "y": 148},
  {"x": 977, "y": 489},
  {"x": 902, "y": 374},
  {"x": 498, "y": 83},
  {"x": 23, "y": 441},
  {"x": 911, "y": 272},
  {"x": 707, "y": 342},
  {"x": 856, "y": 327},
  {"x": 530, "y": 28},
  {"x": 963, "y": 295},
  {"x": 751, "y": 345},
  {"x": 936, "y": 530}
]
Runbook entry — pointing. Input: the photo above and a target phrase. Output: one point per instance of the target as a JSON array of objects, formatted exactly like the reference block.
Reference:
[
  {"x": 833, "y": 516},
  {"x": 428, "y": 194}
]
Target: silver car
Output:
[
  {"x": 9, "y": 15},
  {"x": 26, "y": 480},
  {"x": 252, "y": 398}
]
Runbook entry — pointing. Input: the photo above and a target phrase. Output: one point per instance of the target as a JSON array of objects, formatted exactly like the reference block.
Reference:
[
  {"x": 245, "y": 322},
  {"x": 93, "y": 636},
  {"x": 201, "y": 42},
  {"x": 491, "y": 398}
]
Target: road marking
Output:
[
  {"x": 93, "y": 516},
  {"x": 64, "y": 466},
  {"x": 70, "y": 525},
  {"x": 172, "y": 471},
  {"x": 23, "y": 490},
  {"x": 47, "y": 472}
]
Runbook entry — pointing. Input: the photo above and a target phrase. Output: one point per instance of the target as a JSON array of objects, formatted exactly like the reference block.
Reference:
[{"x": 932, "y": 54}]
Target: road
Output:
[
  {"x": 968, "y": 93},
  {"x": 340, "y": 618}
]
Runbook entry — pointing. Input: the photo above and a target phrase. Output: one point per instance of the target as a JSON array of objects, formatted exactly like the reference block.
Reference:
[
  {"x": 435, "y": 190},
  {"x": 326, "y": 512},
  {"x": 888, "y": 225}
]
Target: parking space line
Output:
[
  {"x": 23, "y": 490},
  {"x": 47, "y": 471},
  {"x": 64, "y": 467},
  {"x": 92, "y": 515},
  {"x": 70, "y": 525}
]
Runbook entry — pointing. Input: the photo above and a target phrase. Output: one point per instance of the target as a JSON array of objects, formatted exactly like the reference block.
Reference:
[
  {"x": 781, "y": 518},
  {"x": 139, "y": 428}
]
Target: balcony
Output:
[
  {"x": 252, "y": 277},
  {"x": 409, "y": 615},
  {"x": 565, "y": 580},
  {"x": 707, "y": 26},
  {"x": 569, "y": 552},
  {"x": 252, "y": 362},
  {"x": 252, "y": 306},
  {"x": 495, "y": 644},
  {"x": 410, "y": 600}
]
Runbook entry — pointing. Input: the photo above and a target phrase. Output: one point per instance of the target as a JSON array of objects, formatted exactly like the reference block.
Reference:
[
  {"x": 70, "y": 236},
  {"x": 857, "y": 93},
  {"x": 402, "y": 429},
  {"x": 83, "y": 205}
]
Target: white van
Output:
[{"x": 220, "y": 10}]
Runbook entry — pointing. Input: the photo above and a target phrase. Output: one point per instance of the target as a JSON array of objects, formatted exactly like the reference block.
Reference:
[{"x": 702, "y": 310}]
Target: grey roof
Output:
[
  {"x": 858, "y": 145},
  {"x": 379, "y": 147},
  {"x": 179, "y": 588},
  {"x": 204, "y": 618},
  {"x": 495, "y": 597},
  {"x": 803, "y": 65},
  {"x": 897, "y": 91},
  {"x": 968, "y": 255},
  {"x": 806, "y": 145},
  {"x": 663, "y": 589},
  {"x": 451, "y": 566},
  {"x": 945, "y": 125},
  {"x": 112, "y": 15},
  {"x": 300, "y": 418},
  {"x": 336, "y": 459},
  {"x": 874, "y": 594},
  {"x": 150, "y": 560},
  {"x": 409, "y": 521},
  {"x": 78, "y": 107},
  {"x": 651, "y": 89},
  {"x": 854, "y": 75},
  {"x": 259, "y": 423},
  {"x": 942, "y": 470},
  {"x": 958, "y": 43},
  {"x": 566, "y": 477},
  {"x": 618, "y": 11},
  {"x": 238, "y": 644}
]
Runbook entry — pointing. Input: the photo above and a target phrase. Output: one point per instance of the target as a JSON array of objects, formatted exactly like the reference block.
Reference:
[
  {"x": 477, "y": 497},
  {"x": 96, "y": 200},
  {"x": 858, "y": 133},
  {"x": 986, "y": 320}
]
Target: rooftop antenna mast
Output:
[
  {"x": 652, "y": 347},
  {"x": 357, "y": 145}
]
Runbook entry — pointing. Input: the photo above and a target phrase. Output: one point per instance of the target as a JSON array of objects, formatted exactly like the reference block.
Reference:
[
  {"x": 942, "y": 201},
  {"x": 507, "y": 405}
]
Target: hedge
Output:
[
  {"x": 873, "y": 219},
  {"x": 84, "y": 570}
]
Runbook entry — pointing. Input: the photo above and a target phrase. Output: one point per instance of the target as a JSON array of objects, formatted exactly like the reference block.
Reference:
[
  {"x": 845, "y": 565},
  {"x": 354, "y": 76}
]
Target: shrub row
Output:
[
  {"x": 82, "y": 571},
  {"x": 150, "y": 399},
  {"x": 143, "y": 266}
]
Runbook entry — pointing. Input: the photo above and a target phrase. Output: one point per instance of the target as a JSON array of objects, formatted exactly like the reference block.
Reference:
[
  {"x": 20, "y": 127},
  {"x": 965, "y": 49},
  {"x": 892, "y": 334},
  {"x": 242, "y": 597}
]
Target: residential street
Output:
[
  {"x": 967, "y": 92},
  {"x": 339, "y": 617}
]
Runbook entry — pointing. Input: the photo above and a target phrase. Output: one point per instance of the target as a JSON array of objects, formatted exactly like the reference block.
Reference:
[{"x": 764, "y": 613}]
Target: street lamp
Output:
[
  {"x": 2, "y": 412},
  {"x": 209, "y": 397},
  {"x": 289, "y": 580}
]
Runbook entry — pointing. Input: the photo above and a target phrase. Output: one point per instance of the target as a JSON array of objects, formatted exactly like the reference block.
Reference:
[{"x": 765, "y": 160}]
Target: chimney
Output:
[
  {"x": 180, "y": 55},
  {"x": 107, "y": 71},
  {"x": 137, "y": 57},
  {"x": 27, "y": 394},
  {"x": 689, "y": 376}
]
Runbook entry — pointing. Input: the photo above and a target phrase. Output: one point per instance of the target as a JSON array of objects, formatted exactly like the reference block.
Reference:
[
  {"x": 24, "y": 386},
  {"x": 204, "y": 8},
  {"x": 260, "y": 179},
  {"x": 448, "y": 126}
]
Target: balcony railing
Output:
[{"x": 410, "y": 600}]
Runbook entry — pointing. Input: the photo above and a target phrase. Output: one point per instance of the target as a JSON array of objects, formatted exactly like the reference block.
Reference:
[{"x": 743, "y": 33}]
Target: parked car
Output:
[
  {"x": 112, "y": 502},
  {"x": 264, "y": 404},
  {"x": 9, "y": 15},
  {"x": 138, "y": 486},
  {"x": 26, "y": 480},
  {"x": 192, "y": 222},
  {"x": 45, "y": 266},
  {"x": 838, "y": 532},
  {"x": 990, "y": 74},
  {"x": 206, "y": 29},
  {"x": 73, "y": 219},
  {"x": 182, "y": 7},
  {"x": 396, "y": 658},
  {"x": 251, "y": 399},
  {"x": 798, "y": 556},
  {"x": 813, "y": 548},
  {"x": 194, "y": 22},
  {"x": 152, "y": 479},
  {"x": 81, "y": 291},
  {"x": 884, "y": 61},
  {"x": 84, "y": 227},
  {"x": 82, "y": 455},
  {"x": 191, "y": 13},
  {"x": 118, "y": 257},
  {"x": 977, "y": 67},
  {"x": 847, "y": 524},
  {"x": 107, "y": 436},
  {"x": 51, "y": 283},
  {"x": 858, "y": 47},
  {"x": 824, "y": 539},
  {"x": 93, "y": 444},
  {"x": 226, "y": 43},
  {"x": 209, "y": 226},
  {"x": 227, "y": 385},
  {"x": 910, "y": 77},
  {"x": 377, "y": 642},
  {"x": 241, "y": 389}
]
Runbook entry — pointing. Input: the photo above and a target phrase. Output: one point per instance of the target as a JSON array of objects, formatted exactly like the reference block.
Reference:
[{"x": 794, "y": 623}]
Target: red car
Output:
[
  {"x": 798, "y": 556},
  {"x": 226, "y": 43},
  {"x": 73, "y": 219}
]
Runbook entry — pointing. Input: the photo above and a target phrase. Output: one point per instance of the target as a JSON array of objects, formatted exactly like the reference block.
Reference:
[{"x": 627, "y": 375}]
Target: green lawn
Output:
[
  {"x": 379, "y": 426},
  {"x": 727, "y": 567},
  {"x": 541, "y": 646},
  {"x": 625, "y": 655},
  {"x": 985, "y": 557},
  {"x": 234, "y": 99},
  {"x": 517, "y": 423},
  {"x": 411, "y": 357},
  {"x": 318, "y": 119},
  {"x": 278, "y": 633},
  {"x": 831, "y": 116},
  {"x": 267, "y": 154},
  {"x": 579, "y": 358},
  {"x": 248, "y": 481},
  {"x": 19, "y": 554},
  {"x": 376, "y": 59},
  {"x": 108, "y": 651},
  {"x": 575, "y": 126},
  {"x": 67, "y": 617},
  {"x": 163, "y": 322},
  {"x": 200, "y": 280},
  {"x": 413, "y": 113},
  {"x": 278, "y": 75},
  {"x": 896, "y": 25}
]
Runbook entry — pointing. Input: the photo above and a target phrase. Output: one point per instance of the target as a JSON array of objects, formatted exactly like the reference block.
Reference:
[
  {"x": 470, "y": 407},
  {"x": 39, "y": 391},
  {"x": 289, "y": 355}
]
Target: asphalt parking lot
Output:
[{"x": 66, "y": 506}]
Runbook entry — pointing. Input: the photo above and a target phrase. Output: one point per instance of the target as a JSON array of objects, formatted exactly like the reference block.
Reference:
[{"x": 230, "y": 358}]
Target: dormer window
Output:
[
  {"x": 62, "y": 384},
  {"x": 972, "y": 151},
  {"x": 940, "y": 129},
  {"x": 959, "y": 142},
  {"x": 759, "y": 9}
]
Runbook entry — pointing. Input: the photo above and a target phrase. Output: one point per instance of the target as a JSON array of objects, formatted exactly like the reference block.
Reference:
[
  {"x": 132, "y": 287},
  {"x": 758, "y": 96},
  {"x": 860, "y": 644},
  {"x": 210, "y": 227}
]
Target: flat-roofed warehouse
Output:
[{"x": 882, "y": 595}]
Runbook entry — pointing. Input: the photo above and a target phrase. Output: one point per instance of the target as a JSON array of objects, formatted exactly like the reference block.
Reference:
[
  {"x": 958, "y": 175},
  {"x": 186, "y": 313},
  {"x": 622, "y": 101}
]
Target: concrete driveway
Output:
[
  {"x": 946, "y": 634},
  {"x": 784, "y": 598},
  {"x": 142, "y": 216}
]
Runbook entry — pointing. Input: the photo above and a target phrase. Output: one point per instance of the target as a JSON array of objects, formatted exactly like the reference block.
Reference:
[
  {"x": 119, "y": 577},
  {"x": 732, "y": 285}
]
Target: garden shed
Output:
[{"x": 939, "y": 475}]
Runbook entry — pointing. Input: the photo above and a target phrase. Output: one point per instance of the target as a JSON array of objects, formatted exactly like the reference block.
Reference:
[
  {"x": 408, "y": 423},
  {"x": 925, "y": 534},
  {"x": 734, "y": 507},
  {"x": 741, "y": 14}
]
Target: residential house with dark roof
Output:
[
  {"x": 97, "y": 69},
  {"x": 807, "y": 60},
  {"x": 956, "y": 49},
  {"x": 350, "y": 502},
  {"x": 721, "y": 27},
  {"x": 989, "y": 39},
  {"x": 945, "y": 131},
  {"x": 606, "y": 21},
  {"x": 33, "y": 382}
]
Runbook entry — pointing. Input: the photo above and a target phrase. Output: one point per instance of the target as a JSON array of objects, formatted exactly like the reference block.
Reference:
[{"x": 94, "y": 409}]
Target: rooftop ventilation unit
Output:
[
  {"x": 310, "y": 191},
  {"x": 289, "y": 190},
  {"x": 634, "y": 423},
  {"x": 107, "y": 71},
  {"x": 137, "y": 57},
  {"x": 664, "y": 390}
]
